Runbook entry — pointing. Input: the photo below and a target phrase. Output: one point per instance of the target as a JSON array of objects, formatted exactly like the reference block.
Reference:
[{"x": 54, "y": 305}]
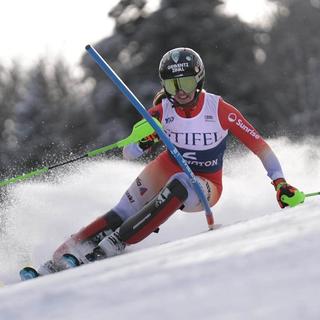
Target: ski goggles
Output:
[{"x": 187, "y": 84}]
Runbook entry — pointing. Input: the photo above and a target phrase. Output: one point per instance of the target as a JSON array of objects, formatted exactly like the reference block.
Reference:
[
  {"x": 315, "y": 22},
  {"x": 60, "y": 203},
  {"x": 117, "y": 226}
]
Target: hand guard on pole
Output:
[{"x": 287, "y": 195}]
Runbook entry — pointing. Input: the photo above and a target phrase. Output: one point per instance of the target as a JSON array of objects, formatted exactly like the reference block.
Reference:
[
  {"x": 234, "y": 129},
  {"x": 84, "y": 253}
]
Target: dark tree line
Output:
[
  {"x": 272, "y": 75},
  {"x": 291, "y": 72}
]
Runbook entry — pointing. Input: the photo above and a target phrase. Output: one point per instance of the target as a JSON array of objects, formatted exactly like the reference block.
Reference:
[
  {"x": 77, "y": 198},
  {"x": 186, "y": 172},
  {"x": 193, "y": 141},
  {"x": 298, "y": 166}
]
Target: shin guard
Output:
[
  {"x": 109, "y": 221},
  {"x": 154, "y": 213}
]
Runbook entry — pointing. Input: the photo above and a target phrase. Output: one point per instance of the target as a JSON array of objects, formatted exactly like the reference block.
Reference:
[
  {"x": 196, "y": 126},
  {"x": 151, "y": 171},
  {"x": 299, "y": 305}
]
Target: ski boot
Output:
[{"x": 110, "y": 246}]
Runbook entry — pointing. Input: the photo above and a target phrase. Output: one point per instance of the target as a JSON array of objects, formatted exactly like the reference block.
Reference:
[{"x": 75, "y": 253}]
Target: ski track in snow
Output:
[{"x": 263, "y": 263}]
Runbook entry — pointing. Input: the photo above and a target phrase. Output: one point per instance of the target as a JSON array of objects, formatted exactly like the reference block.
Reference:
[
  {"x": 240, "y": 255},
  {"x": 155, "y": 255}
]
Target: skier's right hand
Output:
[
  {"x": 148, "y": 141},
  {"x": 287, "y": 195}
]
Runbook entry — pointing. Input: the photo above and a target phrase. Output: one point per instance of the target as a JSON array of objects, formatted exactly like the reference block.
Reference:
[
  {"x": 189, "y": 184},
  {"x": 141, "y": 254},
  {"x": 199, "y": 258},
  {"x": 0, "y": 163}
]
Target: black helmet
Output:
[{"x": 181, "y": 63}]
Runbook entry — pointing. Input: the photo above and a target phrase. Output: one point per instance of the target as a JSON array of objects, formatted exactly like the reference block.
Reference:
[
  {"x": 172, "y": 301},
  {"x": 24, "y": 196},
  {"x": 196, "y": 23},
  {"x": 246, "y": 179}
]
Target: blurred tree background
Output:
[{"x": 270, "y": 73}]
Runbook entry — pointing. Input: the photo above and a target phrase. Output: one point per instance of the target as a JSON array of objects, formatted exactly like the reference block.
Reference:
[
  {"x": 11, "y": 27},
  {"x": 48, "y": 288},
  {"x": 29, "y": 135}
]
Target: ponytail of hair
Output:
[{"x": 159, "y": 96}]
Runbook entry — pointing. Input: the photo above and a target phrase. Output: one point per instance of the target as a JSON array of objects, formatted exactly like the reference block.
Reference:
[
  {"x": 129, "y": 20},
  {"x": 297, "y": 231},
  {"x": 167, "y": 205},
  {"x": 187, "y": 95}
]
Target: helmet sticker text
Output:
[{"x": 179, "y": 67}]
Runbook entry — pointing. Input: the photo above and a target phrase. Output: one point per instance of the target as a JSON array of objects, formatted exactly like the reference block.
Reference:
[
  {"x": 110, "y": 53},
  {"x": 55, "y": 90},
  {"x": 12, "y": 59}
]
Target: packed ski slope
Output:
[{"x": 263, "y": 263}]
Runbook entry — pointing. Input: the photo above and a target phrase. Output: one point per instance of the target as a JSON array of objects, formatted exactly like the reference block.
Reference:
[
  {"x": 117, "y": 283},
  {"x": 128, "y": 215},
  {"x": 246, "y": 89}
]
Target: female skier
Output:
[{"x": 197, "y": 123}]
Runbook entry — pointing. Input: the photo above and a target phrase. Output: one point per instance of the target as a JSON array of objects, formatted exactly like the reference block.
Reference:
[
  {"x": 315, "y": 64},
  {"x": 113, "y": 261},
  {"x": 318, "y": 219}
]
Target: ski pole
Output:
[
  {"x": 144, "y": 113},
  {"x": 312, "y": 194},
  {"x": 140, "y": 130}
]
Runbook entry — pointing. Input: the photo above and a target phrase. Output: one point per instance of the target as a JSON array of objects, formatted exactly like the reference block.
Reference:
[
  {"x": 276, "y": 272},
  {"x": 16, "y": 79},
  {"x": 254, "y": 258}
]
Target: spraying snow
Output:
[{"x": 263, "y": 266}]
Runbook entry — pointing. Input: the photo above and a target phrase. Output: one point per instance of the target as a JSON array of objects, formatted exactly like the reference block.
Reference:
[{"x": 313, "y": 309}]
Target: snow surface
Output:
[{"x": 262, "y": 263}]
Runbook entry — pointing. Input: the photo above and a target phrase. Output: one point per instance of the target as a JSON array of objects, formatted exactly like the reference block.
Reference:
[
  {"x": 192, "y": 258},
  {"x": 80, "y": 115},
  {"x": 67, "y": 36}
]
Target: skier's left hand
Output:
[{"x": 287, "y": 195}]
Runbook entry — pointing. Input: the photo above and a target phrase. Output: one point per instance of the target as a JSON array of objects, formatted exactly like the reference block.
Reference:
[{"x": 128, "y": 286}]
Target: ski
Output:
[
  {"x": 28, "y": 273},
  {"x": 67, "y": 261}
]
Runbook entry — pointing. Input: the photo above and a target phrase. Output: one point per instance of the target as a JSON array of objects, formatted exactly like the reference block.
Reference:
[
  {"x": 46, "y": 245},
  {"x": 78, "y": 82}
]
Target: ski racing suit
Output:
[{"x": 200, "y": 136}]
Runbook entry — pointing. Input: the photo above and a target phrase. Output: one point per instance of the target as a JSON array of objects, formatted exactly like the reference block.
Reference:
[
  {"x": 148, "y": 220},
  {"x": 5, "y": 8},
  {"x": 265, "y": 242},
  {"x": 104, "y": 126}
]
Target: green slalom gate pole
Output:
[
  {"x": 140, "y": 130},
  {"x": 144, "y": 113}
]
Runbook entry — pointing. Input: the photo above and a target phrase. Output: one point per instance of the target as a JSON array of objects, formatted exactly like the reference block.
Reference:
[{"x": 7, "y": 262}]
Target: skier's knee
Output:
[
  {"x": 154, "y": 213},
  {"x": 193, "y": 203}
]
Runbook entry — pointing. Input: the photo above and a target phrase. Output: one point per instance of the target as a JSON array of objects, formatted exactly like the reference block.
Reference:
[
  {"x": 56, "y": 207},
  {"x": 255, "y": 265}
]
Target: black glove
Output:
[{"x": 149, "y": 141}]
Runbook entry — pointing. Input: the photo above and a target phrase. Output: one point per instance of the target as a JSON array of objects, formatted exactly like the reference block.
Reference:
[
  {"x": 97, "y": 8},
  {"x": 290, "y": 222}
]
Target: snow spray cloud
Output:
[{"x": 40, "y": 215}]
